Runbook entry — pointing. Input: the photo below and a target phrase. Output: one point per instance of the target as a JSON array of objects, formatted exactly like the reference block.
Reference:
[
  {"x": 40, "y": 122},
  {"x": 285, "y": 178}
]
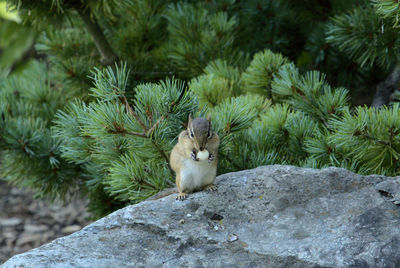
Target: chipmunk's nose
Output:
[{"x": 201, "y": 148}]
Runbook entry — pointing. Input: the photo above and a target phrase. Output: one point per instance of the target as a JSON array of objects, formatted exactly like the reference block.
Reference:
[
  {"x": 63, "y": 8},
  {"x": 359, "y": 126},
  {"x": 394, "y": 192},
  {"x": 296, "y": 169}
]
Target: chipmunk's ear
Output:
[
  {"x": 190, "y": 120},
  {"x": 209, "y": 118}
]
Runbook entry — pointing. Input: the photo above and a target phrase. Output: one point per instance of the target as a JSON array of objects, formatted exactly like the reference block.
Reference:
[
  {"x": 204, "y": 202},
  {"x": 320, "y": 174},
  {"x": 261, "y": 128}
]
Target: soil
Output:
[{"x": 26, "y": 222}]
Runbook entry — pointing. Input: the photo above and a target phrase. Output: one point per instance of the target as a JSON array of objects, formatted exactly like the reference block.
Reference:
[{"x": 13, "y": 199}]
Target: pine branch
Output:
[
  {"x": 156, "y": 124},
  {"x": 132, "y": 112},
  {"x": 385, "y": 88},
  {"x": 162, "y": 153},
  {"x": 361, "y": 35},
  {"x": 146, "y": 132},
  {"x": 369, "y": 137},
  {"x": 122, "y": 98},
  {"x": 107, "y": 54},
  {"x": 143, "y": 135},
  {"x": 231, "y": 161}
]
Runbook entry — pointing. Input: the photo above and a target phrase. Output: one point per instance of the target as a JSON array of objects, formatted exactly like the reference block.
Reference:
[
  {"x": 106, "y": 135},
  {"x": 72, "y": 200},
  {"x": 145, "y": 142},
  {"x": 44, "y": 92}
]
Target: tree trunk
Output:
[
  {"x": 107, "y": 54},
  {"x": 385, "y": 88}
]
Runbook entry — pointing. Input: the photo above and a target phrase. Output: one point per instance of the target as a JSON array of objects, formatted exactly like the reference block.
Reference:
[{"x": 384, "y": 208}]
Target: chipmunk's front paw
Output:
[
  {"x": 211, "y": 187},
  {"x": 193, "y": 155},
  {"x": 181, "y": 196},
  {"x": 211, "y": 158}
]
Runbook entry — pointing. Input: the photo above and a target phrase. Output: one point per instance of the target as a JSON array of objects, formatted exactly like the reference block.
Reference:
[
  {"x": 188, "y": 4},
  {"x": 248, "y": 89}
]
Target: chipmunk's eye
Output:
[{"x": 191, "y": 134}]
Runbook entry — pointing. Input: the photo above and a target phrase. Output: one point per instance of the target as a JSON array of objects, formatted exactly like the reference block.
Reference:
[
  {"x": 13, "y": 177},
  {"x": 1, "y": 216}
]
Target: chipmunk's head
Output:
[{"x": 199, "y": 131}]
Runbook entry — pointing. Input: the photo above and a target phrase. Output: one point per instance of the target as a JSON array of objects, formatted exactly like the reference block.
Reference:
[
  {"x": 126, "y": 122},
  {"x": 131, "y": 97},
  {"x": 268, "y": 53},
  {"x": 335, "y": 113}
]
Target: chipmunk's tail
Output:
[{"x": 163, "y": 193}]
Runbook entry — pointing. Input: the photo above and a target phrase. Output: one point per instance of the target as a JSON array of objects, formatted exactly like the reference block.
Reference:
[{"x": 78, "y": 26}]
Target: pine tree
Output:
[{"x": 113, "y": 83}]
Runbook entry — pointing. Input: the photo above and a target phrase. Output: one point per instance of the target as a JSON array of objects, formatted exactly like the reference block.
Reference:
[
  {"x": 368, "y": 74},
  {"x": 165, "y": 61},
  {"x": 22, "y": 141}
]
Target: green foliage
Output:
[
  {"x": 70, "y": 52},
  {"x": 16, "y": 42},
  {"x": 132, "y": 154},
  {"x": 309, "y": 93},
  {"x": 277, "y": 137},
  {"x": 139, "y": 37},
  {"x": 220, "y": 81},
  {"x": 364, "y": 37},
  {"x": 134, "y": 143},
  {"x": 75, "y": 148},
  {"x": 258, "y": 76},
  {"x": 313, "y": 127},
  {"x": 228, "y": 121},
  {"x": 197, "y": 39},
  {"x": 43, "y": 12},
  {"x": 271, "y": 20},
  {"x": 272, "y": 74},
  {"x": 371, "y": 137},
  {"x": 131, "y": 180},
  {"x": 27, "y": 107},
  {"x": 387, "y": 9}
]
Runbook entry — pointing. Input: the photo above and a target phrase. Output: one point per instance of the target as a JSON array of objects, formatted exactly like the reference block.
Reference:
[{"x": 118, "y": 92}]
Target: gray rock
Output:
[
  {"x": 27, "y": 237},
  {"x": 10, "y": 222},
  {"x": 273, "y": 216},
  {"x": 390, "y": 189},
  {"x": 71, "y": 229},
  {"x": 32, "y": 228}
]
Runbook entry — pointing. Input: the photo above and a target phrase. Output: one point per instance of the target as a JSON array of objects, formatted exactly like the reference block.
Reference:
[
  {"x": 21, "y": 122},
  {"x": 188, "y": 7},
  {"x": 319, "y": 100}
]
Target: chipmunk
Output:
[{"x": 194, "y": 157}]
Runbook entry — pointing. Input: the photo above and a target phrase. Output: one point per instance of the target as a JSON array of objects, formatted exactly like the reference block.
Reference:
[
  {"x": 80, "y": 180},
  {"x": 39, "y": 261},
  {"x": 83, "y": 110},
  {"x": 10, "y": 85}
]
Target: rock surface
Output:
[{"x": 273, "y": 216}]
